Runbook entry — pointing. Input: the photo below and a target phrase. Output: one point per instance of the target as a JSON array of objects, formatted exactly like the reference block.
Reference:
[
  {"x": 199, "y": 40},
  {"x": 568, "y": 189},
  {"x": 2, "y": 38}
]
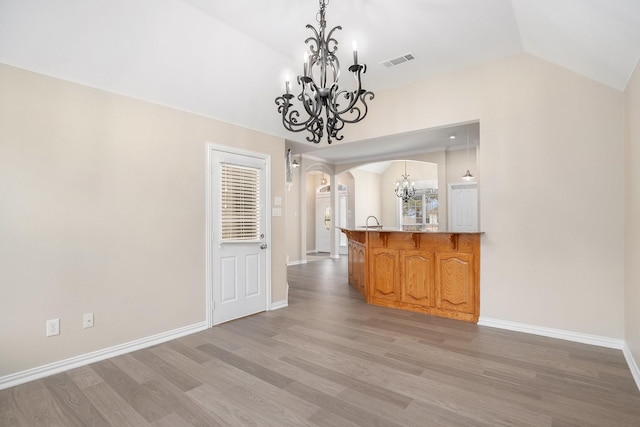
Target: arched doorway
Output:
[{"x": 325, "y": 220}]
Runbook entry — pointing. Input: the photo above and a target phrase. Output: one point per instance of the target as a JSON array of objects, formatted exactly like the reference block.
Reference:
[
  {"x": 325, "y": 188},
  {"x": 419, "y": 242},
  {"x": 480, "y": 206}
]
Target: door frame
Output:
[{"x": 209, "y": 218}]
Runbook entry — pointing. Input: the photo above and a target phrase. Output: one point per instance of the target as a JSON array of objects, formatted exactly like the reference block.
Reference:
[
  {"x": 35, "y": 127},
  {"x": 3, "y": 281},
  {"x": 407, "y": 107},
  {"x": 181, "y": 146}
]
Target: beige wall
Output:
[
  {"x": 293, "y": 218},
  {"x": 550, "y": 139},
  {"x": 103, "y": 204},
  {"x": 367, "y": 198},
  {"x": 102, "y": 209},
  {"x": 632, "y": 223}
]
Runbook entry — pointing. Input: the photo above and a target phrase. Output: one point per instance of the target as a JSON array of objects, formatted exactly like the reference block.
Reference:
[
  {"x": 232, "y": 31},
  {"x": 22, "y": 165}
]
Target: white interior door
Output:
[
  {"x": 323, "y": 223},
  {"x": 463, "y": 207},
  {"x": 239, "y": 244},
  {"x": 343, "y": 202}
]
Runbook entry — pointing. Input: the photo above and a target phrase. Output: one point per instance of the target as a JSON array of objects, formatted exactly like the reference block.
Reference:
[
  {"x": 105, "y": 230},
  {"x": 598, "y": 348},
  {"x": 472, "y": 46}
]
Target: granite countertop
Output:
[{"x": 408, "y": 229}]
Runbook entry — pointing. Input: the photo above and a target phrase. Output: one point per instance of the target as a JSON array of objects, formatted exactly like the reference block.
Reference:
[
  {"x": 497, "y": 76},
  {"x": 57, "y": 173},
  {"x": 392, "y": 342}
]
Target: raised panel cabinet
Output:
[
  {"x": 357, "y": 266},
  {"x": 417, "y": 277},
  {"x": 454, "y": 273},
  {"x": 383, "y": 277}
]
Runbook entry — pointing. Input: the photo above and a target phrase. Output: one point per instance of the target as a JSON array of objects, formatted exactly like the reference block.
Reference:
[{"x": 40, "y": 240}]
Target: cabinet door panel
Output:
[
  {"x": 417, "y": 277},
  {"x": 454, "y": 276},
  {"x": 351, "y": 260},
  {"x": 359, "y": 269},
  {"x": 384, "y": 276}
]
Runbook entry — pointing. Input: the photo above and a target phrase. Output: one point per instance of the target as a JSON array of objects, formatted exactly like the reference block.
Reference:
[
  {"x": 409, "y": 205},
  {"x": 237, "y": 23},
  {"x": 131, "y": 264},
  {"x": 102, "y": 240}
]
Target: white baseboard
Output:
[
  {"x": 96, "y": 356},
  {"x": 633, "y": 366},
  {"x": 600, "y": 341},
  {"x": 278, "y": 305},
  {"x": 296, "y": 262}
]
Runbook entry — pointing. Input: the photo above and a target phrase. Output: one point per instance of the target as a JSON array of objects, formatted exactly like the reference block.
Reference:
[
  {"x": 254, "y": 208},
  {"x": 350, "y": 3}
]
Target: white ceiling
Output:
[{"x": 228, "y": 59}]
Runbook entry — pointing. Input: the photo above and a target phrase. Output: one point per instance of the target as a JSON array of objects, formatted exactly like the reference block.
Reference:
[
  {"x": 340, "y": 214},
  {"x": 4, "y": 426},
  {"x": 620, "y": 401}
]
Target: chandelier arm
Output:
[
  {"x": 290, "y": 117},
  {"x": 358, "y": 112},
  {"x": 313, "y": 40},
  {"x": 335, "y": 126},
  {"x": 307, "y": 100},
  {"x": 353, "y": 99},
  {"x": 335, "y": 68},
  {"x": 334, "y": 105},
  {"x": 331, "y": 43}
]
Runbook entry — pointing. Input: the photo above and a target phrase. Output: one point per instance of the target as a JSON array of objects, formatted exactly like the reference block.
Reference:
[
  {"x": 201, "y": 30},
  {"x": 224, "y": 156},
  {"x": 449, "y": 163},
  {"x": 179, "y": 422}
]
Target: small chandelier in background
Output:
[
  {"x": 405, "y": 189},
  {"x": 327, "y": 106}
]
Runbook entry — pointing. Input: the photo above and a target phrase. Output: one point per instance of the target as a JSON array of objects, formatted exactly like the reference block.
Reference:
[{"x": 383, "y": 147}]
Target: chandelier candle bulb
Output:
[
  {"x": 355, "y": 52},
  {"x": 306, "y": 64},
  {"x": 286, "y": 86}
]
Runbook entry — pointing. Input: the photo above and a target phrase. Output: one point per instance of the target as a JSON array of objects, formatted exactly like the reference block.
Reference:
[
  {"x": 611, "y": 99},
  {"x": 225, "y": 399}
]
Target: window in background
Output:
[{"x": 421, "y": 211}]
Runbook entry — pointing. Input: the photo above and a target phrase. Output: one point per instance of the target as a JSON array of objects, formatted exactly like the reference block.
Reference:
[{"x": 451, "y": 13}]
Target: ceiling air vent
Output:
[{"x": 399, "y": 60}]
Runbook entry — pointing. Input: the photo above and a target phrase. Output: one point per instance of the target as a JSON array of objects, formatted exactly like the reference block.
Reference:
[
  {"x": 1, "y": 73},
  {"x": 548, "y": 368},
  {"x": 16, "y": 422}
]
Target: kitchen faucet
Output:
[{"x": 377, "y": 222}]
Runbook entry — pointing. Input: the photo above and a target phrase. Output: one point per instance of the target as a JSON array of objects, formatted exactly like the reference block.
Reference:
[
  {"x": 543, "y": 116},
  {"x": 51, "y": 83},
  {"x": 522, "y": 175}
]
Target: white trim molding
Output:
[
  {"x": 281, "y": 304},
  {"x": 278, "y": 305},
  {"x": 597, "y": 340},
  {"x": 96, "y": 356},
  {"x": 633, "y": 366},
  {"x": 299, "y": 262}
]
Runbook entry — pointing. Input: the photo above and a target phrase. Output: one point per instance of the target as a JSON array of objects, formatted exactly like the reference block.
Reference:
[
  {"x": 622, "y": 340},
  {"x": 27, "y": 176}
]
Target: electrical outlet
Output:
[
  {"x": 53, "y": 327},
  {"x": 87, "y": 320}
]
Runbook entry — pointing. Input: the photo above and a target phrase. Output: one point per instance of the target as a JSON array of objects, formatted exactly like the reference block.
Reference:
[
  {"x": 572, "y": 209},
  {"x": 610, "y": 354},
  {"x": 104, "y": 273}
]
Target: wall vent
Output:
[{"x": 399, "y": 60}]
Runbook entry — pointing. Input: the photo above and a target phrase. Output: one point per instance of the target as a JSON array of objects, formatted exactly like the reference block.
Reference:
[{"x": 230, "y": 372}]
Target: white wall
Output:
[
  {"x": 102, "y": 209},
  {"x": 548, "y": 136},
  {"x": 632, "y": 221}
]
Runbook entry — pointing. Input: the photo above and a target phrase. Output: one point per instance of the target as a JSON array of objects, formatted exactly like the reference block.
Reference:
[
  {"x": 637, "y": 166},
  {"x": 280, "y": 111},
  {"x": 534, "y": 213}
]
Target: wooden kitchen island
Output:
[{"x": 430, "y": 272}]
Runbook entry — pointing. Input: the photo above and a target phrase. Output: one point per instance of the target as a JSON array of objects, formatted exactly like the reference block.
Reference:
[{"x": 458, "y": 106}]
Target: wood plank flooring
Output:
[{"x": 331, "y": 360}]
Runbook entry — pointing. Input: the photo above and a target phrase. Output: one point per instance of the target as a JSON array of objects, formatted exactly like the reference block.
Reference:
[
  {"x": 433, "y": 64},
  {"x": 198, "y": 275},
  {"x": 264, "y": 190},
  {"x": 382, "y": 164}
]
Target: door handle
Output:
[{"x": 263, "y": 246}]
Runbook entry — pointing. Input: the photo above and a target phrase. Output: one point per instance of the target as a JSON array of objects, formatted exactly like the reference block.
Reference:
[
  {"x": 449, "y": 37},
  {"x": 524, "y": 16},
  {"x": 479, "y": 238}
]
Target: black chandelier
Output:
[
  {"x": 405, "y": 189},
  {"x": 327, "y": 107}
]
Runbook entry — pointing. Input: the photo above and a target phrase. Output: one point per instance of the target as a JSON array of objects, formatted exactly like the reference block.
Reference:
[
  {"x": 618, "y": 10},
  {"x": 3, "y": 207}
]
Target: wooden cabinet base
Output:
[
  {"x": 425, "y": 309},
  {"x": 431, "y": 273}
]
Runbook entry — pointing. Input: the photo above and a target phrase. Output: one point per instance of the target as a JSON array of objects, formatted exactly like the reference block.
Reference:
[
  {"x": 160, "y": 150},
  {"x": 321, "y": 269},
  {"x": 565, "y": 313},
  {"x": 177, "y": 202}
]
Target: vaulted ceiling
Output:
[{"x": 228, "y": 59}]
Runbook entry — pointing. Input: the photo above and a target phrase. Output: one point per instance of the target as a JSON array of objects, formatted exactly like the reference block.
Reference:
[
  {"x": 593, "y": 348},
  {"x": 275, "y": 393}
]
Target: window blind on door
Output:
[{"x": 240, "y": 203}]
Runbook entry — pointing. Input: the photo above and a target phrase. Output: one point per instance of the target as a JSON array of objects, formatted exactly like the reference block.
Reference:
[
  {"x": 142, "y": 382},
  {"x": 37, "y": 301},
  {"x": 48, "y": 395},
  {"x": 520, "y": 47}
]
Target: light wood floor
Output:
[{"x": 331, "y": 360}]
